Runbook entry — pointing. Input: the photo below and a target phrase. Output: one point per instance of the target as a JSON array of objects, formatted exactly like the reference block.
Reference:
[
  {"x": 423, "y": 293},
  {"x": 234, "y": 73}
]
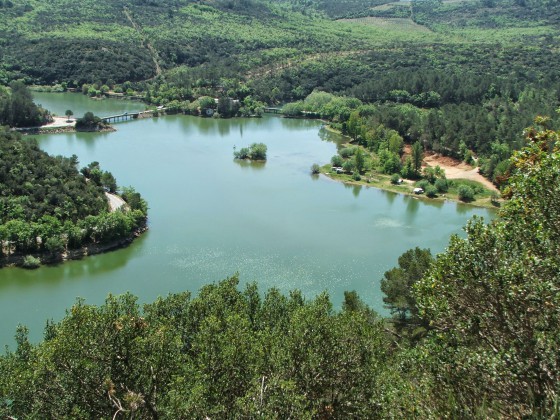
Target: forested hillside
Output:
[
  {"x": 47, "y": 206},
  {"x": 17, "y": 108},
  {"x": 475, "y": 73}
]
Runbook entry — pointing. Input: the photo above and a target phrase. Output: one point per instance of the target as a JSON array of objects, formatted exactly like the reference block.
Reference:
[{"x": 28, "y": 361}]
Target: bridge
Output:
[
  {"x": 131, "y": 115},
  {"x": 120, "y": 117},
  {"x": 273, "y": 110}
]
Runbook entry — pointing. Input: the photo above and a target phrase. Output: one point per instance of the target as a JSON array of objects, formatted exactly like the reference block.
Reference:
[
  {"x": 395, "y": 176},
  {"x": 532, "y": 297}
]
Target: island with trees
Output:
[
  {"x": 255, "y": 152},
  {"x": 49, "y": 211}
]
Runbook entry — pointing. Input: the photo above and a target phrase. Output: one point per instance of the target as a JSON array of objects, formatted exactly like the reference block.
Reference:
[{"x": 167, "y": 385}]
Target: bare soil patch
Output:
[{"x": 456, "y": 169}]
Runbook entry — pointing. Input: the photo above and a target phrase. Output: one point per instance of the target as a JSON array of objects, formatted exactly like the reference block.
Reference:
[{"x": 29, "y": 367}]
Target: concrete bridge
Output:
[{"x": 120, "y": 117}]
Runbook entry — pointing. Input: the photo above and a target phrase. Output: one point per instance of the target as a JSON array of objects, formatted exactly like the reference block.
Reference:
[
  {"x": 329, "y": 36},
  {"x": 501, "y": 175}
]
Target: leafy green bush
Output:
[
  {"x": 442, "y": 185},
  {"x": 424, "y": 184},
  {"x": 348, "y": 166},
  {"x": 315, "y": 168},
  {"x": 336, "y": 160},
  {"x": 395, "y": 178},
  {"x": 465, "y": 193},
  {"x": 346, "y": 152},
  {"x": 30, "y": 262},
  {"x": 431, "y": 191},
  {"x": 257, "y": 151},
  {"x": 88, "y": 122}
]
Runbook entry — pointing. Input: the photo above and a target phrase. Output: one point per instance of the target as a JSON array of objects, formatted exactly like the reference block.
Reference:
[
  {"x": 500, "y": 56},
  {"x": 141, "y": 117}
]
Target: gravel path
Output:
[{"x": 60, "y": 122}]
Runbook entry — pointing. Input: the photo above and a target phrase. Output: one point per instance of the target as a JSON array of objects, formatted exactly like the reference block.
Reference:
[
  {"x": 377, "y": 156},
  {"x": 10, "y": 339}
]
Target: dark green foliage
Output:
[
  {"x": 346, "y": 152},
  {"x": 89, "y": 122},
  {"x": 417, "y": 156},
  {"x": 397, "y": 285},
  {"x": 96, "y": 175},
  {"x": 225, "y": 353},
  {"x": 424, "y": 184},
  {"x": 34, "y": 184},
  {"x": 492, "y": 299},
  {"x": 348, "y": 166},
  {"x": 17, "y": 108},
  {"x": 389, "y": 162},
  {"x": 431, "y": 191},
  {"x": 442, "y": 185},
  {"x": 47, "y": 205},
  {"x": 337, "y": 160},
  {"x": 80, "y": 60},
  {"x": 134, "y": 200}
]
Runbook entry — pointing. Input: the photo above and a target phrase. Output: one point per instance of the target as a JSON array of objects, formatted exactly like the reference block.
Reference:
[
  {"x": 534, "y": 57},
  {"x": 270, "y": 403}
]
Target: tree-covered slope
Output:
[
  {"x": 48, "y": 206},
  {"x": 34, "y": 184},
  {"x": 484, "y": 64}
]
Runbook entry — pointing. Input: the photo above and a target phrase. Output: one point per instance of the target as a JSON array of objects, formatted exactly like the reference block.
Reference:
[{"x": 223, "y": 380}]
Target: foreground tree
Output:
[
  {"x": 397, "y": 285},
  {"x": 224, "y": 354},
  {"x": 493, "y": 299}
]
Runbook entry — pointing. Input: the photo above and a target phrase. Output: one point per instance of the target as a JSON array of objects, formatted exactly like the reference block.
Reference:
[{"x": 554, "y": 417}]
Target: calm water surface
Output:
[{"x": 211, "y": 216}]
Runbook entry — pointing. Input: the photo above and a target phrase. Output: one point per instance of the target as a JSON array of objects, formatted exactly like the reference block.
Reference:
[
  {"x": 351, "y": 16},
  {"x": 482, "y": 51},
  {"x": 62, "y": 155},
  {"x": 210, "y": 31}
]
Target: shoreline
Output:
[
  {"x": 405, "y": 190},
  {"x": 17, "y": 260},
  {"x": 59, "y": 130},
  {"x": 382, "y": 182}
]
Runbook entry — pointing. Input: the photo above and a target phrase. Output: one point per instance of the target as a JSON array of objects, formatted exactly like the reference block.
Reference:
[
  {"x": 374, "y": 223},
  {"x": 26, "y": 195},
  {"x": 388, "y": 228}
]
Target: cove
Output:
[{"x": 211, "y": 216}]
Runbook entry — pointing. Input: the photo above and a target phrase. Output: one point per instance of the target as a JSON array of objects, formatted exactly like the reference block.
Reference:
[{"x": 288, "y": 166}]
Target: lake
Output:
[{"x": 211, "y": 216}]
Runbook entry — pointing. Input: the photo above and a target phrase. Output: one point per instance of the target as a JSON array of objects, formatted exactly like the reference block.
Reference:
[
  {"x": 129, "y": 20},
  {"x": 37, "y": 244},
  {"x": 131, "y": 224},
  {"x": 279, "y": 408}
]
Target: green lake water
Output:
[{"x": 211, "y": 216}]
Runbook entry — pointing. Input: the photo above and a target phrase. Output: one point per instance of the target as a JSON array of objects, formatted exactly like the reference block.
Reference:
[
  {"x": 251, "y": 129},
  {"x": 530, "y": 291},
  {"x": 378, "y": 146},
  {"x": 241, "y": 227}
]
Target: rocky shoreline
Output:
[
  {"x": 58, "y": 130},
  {"x": 17, "y": 260}
]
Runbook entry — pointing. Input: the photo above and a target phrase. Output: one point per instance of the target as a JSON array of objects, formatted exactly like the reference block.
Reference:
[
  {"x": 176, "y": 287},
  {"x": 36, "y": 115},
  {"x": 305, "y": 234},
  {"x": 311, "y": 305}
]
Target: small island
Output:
[{"x": 255, "y": 152}]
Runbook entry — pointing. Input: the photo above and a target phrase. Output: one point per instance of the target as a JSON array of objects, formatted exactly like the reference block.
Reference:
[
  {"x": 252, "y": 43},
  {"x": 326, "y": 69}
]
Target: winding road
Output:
[{"x": 115, "y": 202}]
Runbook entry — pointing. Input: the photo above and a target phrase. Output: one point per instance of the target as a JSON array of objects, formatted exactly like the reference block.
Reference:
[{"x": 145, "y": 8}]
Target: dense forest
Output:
[
  {"x": 17, "y": 108},
  {"x": 47, "y": 206},
  {"x": 474, "y": 335}
]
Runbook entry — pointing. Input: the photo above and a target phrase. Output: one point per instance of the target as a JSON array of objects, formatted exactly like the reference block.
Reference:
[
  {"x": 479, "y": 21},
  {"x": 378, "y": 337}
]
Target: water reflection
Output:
[
  {"x": 250, "y": 164},
  {"x": 390, "y": 196},
  {"x": 411, "y": 209},
  {"x": 224, "y": 129},
  {"x": 52, "y": 276},
  {"x": 327, "y": 135}
]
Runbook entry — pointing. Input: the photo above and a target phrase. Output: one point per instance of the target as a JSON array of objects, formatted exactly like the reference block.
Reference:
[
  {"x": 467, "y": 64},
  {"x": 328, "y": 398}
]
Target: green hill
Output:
[{"x": 47, "y": 207}]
